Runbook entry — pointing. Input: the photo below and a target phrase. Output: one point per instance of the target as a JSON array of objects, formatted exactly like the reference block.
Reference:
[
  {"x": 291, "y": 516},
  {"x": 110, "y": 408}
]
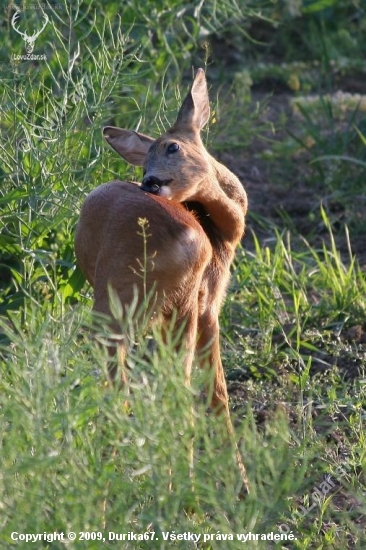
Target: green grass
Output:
[{"x": 73, "y": 458}]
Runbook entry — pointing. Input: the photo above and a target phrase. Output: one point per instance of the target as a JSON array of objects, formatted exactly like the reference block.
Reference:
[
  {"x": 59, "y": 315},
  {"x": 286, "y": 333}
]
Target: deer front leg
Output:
[{"x": 208, "y": 348}]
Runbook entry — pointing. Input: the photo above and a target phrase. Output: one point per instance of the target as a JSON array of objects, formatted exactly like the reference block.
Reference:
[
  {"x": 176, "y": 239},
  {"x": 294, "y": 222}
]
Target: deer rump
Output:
[{"x": 170, "y": 259}]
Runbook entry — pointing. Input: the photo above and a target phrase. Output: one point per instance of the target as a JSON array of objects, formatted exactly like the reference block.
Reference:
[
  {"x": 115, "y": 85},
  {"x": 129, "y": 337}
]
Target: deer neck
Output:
[{"x": 224, "y": 204}]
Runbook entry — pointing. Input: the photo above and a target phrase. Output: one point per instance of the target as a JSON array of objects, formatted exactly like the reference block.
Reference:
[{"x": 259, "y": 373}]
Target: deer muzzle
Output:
[{"x": 152, "y": 184}]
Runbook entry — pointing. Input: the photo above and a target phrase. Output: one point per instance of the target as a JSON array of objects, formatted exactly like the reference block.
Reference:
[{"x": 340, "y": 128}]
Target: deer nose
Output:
[{"x": 151, "y": 184}]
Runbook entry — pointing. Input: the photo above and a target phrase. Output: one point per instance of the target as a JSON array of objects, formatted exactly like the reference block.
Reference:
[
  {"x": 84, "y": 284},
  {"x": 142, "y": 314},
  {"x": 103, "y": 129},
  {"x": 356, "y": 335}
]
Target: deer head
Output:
[
  {"x": 29, "y": 40},
  {"x": 176, "y": 163}
]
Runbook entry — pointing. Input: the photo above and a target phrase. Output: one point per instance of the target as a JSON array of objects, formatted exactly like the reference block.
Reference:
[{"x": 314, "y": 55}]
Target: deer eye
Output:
[{"x": 173, "y": 148}]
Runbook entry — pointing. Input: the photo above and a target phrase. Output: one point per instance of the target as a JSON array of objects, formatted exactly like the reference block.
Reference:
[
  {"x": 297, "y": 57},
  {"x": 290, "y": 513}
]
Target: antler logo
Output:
[{"x": 29, "y": 40}]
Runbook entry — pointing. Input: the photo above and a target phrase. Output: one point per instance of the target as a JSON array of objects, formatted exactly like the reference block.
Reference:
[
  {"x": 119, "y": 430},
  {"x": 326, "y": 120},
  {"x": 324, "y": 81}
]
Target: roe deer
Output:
[{"x": 195, "y": 209}]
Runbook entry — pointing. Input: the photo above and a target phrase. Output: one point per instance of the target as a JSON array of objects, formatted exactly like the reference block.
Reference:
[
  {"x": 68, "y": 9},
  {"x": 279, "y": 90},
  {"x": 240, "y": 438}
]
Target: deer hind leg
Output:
[
  {"x": 180, "y": 326},
  {"x": 208, "y": 348},
  {"x": 135, "y": 312},
  {"x": 182, "y": 330}
]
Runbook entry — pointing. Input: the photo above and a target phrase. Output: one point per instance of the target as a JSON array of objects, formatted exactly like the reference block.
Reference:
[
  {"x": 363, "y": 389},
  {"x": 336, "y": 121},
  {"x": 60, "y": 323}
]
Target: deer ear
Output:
[
  {"x": 195, "y": 110},
  {"x": 131, "y": 145}
]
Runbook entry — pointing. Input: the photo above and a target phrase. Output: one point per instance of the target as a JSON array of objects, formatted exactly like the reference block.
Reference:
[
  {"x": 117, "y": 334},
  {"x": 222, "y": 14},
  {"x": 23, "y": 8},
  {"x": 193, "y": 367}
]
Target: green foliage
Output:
[
  {"x": 284, "y": 304},
  {"x": 67, "y": 439}
]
